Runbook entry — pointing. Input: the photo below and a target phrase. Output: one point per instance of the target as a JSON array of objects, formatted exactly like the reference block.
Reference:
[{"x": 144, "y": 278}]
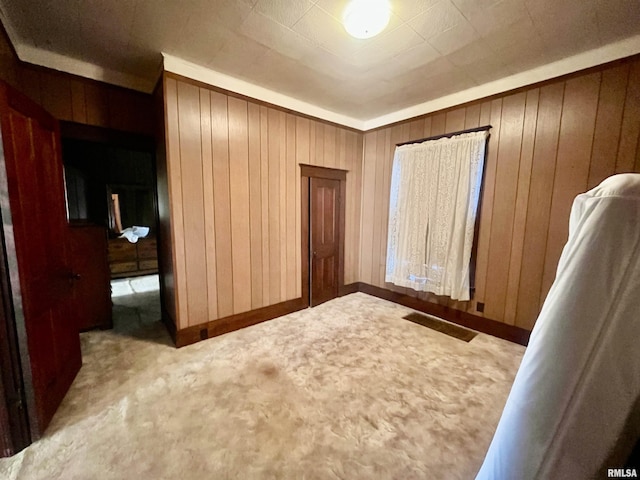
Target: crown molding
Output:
[
  {"x": 582, "y": 61},
  {"x": 55, "y": 61},
  {"x": 216, "y": 79},
  {"x": 608, "y": 53}
]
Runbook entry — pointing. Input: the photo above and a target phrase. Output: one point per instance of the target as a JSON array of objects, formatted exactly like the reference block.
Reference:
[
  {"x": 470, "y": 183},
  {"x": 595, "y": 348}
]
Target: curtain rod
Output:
[{"x": 445, "y": 135}]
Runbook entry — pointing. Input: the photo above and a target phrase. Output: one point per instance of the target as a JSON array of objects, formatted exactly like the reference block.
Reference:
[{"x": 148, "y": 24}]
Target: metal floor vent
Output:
[{"x": 441, "y": 326}]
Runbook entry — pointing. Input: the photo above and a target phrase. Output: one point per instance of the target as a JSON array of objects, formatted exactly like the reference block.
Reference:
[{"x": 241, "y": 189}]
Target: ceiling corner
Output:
[
  {"x": 592, "y": 58},
  {"x": 211, "y": 77}
]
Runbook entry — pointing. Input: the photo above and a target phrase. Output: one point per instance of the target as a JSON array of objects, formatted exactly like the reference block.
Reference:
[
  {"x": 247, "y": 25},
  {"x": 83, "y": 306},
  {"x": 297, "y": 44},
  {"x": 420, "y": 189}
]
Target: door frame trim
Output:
[{"x": 306, "y": 173}]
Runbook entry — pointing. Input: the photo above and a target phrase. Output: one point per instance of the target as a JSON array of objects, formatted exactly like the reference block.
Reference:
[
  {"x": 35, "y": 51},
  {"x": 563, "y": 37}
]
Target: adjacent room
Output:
[{"x": 312, "y": 239}]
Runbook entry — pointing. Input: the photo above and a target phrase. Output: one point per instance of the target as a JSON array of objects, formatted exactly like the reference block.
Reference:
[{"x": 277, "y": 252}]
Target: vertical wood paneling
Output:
[
  {"x": 630, "y": 123},
  {"x": 121, "y": 111},
  {"x": 319, "y": 158},
  {"x": 192, "y": 201},
  {"x": 486, "y": 207},
  {"x": 97, "y": 104},
  {"x": 302, "y": 156},
  {"x": 572, "y": 170},
  {"x": 275, "y": 268},
  {"x": 312, "y": 143},
  {"x": 472, "y": 116},
  {"x": 438, "y": 124},
  {"x": 384, "y": 213},
  {"x": 72, "y": 98},
  {"x": 608, "y": 124},
  {"x": 378, "y": 206},
  {"x": 537, "y": 223},
  {"x": 504, "y": 199},
  {"x": 544, "y": 149},
  {"x": 56, "y": 94},
  {"x": 291, "y": 202},
  {"x": 427, "y": 128},
  {"x": 174, "y": 180},
  {"x": 368, "y": 195},
  {"x": 485, "y": 113},
  {"x": 221, "y": 202},
  {"x": 521, "y": 205},
  {"x": 209, "y": 215},
  {"x": 329, "y": 148},
  {"x": 255, "y": 209},
  {"x": 532, "y": 174},
  {"x": 341, "y": 147},
  {"x": 416, "y": 129},
  {"x": 30, "y": 84},
  {"x": 264, "y": 185},
  {"x": 283, "y": 205},
  {"x": 78, "y": 104},
  {"x": 345, "y": 144},
  {"x": 239, "y": 205},
  {"x": 454, "y": 120},
  {"x": 355, "y": 156},
  {"x": 236, "y": 165}
]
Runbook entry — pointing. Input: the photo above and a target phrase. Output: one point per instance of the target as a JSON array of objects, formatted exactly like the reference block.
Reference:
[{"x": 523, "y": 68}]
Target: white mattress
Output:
[{"x": 579, "y": 380}]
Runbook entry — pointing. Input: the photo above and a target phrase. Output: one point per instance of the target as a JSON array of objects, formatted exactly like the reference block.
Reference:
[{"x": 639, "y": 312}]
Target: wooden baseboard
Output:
[
  {"x": 348, "y": 289},
  {"x": 190, "y": 335},
  {"x": 484, "y": 325}
]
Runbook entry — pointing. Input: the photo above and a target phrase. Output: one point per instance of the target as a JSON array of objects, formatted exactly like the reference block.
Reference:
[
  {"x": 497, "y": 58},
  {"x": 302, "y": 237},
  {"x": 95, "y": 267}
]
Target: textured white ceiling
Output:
[{"x": 298, "y": 48}]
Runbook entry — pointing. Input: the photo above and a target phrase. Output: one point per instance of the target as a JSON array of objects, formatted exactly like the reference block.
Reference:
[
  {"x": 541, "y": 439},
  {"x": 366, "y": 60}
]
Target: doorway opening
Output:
[
  {"x": 323, "y": 192},
  {"x": 110, "y": 180}
]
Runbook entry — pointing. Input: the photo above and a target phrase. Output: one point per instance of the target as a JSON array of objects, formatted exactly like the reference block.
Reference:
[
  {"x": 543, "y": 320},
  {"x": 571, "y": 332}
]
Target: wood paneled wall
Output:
[
  {"x": 89, "y": 102},
  {"x": 233, "y": 193},
  {"x": 234, "y": 184},
  {"x": 77, "y": 99},
  {"x": 548, "y": 144}
]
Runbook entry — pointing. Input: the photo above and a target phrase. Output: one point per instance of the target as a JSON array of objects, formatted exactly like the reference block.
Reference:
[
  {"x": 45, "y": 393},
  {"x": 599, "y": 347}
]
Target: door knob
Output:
[{"x": 75, "y": 276}]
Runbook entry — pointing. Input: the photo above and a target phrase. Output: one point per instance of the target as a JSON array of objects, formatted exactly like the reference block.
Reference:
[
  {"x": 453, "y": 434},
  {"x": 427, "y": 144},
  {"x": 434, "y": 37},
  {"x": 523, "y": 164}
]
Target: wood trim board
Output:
[
  {"x": 323, "y": 172},
  {"x": 491, "y": 327},
  {"x": 198, "y": 83},
  {"x": 231, "y": 323}
]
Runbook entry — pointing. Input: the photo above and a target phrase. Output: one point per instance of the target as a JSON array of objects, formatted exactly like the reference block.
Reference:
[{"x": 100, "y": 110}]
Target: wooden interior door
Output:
[
  {"x": 325, "y": 239},
  {"x": 92, "y": 280},
  {"x": 35, "y": 187}
]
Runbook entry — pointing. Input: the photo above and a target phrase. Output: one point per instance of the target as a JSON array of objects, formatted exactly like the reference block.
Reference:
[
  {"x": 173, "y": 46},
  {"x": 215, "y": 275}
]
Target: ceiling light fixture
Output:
[{"x": 366, "y": 18}]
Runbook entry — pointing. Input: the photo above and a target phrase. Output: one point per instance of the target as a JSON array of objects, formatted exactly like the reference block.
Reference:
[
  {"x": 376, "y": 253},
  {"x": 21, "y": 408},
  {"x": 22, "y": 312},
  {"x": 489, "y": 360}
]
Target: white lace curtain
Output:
[{"x": 435, "y": 187}]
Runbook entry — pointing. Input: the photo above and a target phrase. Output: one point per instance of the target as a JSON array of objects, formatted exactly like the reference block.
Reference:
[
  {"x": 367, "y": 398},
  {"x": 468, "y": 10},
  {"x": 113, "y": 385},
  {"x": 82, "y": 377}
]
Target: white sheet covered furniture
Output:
[{"x": 570, "y": 413}]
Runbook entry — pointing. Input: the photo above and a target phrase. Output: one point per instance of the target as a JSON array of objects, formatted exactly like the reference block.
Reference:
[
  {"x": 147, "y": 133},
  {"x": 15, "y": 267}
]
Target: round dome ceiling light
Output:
[{"x": 366, "y": 18}]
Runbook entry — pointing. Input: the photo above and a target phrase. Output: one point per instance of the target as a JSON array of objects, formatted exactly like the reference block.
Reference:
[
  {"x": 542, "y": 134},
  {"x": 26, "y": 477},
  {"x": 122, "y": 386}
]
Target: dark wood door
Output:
[
  {"x": 32, "y": 156},
  {"x": 92, "y": 287},
  {"x": 325, "y": 239}
]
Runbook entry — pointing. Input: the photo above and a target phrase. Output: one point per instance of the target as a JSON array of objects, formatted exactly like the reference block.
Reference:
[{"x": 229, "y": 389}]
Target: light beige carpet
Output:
[{"x": 346, "y": 390}]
